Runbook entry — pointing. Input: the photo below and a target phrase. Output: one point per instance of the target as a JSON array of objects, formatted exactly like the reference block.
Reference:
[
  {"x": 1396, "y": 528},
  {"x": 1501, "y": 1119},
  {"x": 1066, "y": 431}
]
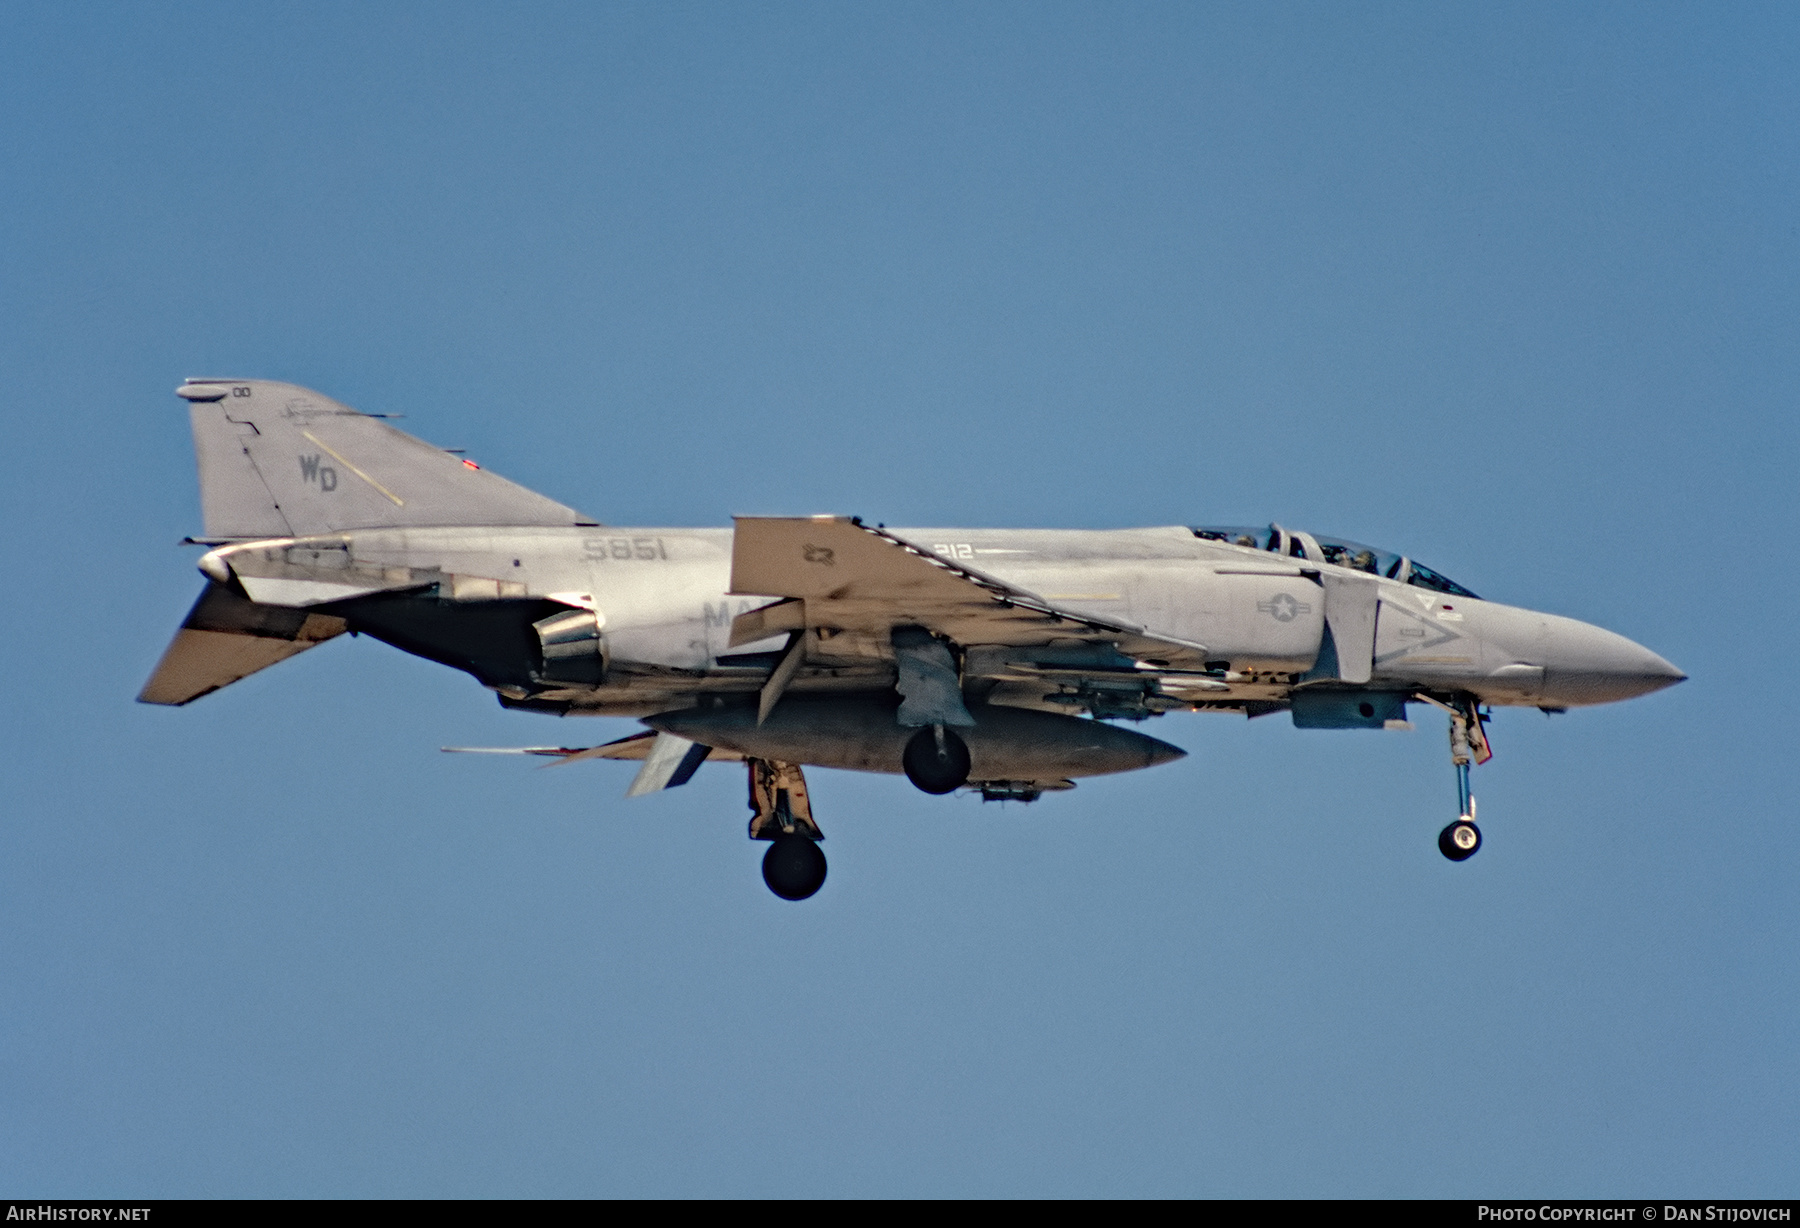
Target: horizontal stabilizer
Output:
[
  {"x": 226, "y": 637},
  {"x": 676, "y": 765}
]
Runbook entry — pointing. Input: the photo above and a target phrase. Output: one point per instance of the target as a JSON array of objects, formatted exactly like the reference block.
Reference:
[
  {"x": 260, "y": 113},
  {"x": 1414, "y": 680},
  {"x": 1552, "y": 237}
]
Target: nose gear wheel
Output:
[{"x": 1460, "y": 841}]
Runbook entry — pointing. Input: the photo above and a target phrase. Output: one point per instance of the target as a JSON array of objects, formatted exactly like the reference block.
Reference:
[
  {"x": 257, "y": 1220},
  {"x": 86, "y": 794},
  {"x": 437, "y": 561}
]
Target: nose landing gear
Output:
[
  {"x": 1468, "y": 740},
  {"x": 1461, "y": 840}
]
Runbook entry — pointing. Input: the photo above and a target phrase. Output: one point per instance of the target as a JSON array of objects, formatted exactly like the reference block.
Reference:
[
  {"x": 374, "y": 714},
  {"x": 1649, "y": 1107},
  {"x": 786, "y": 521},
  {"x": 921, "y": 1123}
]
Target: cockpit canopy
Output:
[{"x": 1337, "y": 551}]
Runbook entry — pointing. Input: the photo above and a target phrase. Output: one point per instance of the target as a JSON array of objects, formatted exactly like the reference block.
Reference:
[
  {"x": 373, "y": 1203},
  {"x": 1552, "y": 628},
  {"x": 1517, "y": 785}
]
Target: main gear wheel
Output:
[
  {"x": 936, "y": 760},
  {"x": 794, "y": 867}
]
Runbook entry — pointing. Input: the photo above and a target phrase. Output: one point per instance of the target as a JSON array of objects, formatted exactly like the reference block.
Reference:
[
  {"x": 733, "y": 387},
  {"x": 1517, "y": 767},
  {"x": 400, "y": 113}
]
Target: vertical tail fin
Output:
[{"x": 277, "y": 460}]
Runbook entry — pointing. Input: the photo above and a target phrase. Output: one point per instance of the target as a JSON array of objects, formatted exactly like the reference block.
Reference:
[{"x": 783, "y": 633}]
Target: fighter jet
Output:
[{"x": 989, "y": 660}]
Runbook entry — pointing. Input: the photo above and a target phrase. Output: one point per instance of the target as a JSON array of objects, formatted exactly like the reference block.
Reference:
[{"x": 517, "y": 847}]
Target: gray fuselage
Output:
[{"x": 664, "y": 602}]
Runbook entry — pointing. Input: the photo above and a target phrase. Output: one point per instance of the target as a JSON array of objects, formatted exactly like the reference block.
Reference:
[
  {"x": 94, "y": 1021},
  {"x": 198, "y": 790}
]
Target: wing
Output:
[{"x": 842, "y": 577}]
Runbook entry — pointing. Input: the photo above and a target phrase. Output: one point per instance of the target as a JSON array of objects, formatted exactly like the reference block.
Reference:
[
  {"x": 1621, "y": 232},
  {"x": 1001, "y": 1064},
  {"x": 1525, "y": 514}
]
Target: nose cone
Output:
[{"x": 1585, "y": 664}]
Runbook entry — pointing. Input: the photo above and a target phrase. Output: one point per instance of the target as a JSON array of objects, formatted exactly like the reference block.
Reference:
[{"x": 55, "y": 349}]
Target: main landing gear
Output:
[
  {"x": 781, "y": 812},
  {"x": 1461, "y": 840},
  {"x": 936, "y": 760}
]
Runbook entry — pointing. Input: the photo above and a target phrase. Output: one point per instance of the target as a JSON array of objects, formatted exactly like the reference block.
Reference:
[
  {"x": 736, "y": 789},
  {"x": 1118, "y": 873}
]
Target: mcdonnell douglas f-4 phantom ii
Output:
[{"x": 985, "y": 659}]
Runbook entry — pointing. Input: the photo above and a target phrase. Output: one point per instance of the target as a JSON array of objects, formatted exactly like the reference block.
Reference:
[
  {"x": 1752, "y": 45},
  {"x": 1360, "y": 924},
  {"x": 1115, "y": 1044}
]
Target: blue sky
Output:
[{"x": 1510, "y": 289}]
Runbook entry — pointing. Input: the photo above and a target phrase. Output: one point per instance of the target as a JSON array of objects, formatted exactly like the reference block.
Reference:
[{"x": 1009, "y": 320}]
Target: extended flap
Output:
[{"x": 766, "y": 621}]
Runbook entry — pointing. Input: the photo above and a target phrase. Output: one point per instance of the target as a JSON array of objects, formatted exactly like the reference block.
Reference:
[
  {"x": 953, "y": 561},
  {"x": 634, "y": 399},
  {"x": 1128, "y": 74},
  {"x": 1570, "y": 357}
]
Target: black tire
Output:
[
  {"x": 1460, "y": 841},
  {"x": 933, "y": 770},
  {"x": 794, "y": 867}
]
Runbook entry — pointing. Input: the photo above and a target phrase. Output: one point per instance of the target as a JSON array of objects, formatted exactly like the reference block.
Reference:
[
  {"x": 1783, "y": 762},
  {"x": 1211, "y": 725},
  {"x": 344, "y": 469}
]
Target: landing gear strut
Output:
[
  {"x": 1461, "y": 840},
  {"x": 781, "y": 812}
]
